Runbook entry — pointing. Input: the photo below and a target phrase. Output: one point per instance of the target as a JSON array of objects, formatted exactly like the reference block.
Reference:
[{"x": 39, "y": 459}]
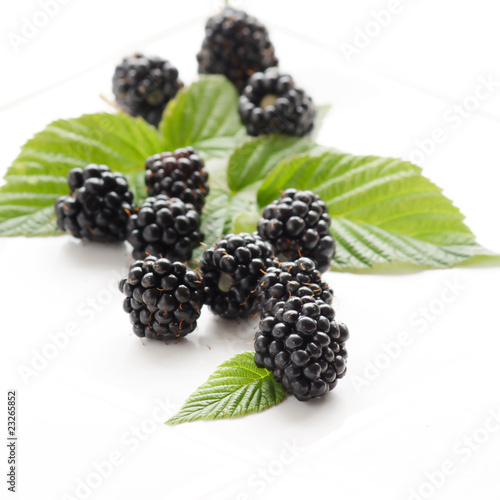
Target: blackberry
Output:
[
  {"x": 163, "y": 299},
  {"x": 271, "y": 103},
  {"x": 179, "y": 174},
  {"x": 143, "y": 86},
  {"x": 235, "y": 45},
  {"x": 165, "y": 227},
  {"x": 297, "y": 225},
  {"x": 231, "y": 270},
  {"x": 291, "y": 279},
  {"x": 303, "y": 346},
  {"x": 98, "y": 207}
]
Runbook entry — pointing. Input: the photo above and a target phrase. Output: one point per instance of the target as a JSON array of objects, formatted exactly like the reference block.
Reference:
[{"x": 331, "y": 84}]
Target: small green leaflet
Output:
[
  {"x": 204, "y": 116},
  {"x": 383, "y": 210},
  {"x": 236, "y": 388}
]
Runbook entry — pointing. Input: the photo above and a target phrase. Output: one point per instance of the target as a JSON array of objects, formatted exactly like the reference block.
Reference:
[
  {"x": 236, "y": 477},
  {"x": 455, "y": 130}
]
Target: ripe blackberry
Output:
[
  {"x": 235, "y": 45},
  {"x": 143, "y": 86},
  {"x": 231, "y": 270},
  {"x": 163, "y": 299},
  {"x": 297, "y": 225},
  {"x": 291, "y": 279},
  {"x": 303, "y": 346},
  {"x": 165, "y": 227},
  {"x": 98, "y": 207},
  {"x": 271, "y": 103},
  {"x": 179, "y": 174}
]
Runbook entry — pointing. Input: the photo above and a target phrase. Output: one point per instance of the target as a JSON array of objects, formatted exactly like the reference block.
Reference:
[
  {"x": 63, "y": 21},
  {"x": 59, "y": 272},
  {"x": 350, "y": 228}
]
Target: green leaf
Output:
[
  {"x": 214, "y": 215},
  {"x": 251, "y": 162},
  {"x": 205, "y": 116},
  {"x": 236, "y": 388},
  {"x": 222, "y": 215},
  {"x": 383, "y": 210},
  {"x": 38, "y": 175}
]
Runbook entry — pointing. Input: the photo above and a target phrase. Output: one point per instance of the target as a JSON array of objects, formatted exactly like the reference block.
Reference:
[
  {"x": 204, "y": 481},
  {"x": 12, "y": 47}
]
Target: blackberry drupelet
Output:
[
  {"x": 235, "y": 45},
  {"x": 271, "y": 103},
  {"x": 143, "y": 86},
  {"x": 291, "y": 279},
  {"x": 179, "y": 175},
  {"x": 163, "y": 299},
  {"x": 165, "y": 227},
  {"x": 231, "y": 270},
  {"x": 98, "y": 207},
  {"x": 303, "y": 346},
  {"x": 297, "y": 225}
]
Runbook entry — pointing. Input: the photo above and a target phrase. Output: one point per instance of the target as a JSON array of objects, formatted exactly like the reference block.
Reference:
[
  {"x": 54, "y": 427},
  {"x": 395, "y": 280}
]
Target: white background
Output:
[{"x": 383, "y": 439}]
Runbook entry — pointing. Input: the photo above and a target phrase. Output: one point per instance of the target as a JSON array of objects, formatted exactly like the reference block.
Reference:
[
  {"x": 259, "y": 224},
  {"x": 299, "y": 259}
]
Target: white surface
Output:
[{"x": 381, "y": 440}]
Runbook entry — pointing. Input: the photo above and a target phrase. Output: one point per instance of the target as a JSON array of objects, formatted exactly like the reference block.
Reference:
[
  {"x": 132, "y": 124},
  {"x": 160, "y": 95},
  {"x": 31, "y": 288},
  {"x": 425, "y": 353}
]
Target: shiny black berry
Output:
[
  {"x": 271, "y": 103},
  {"x": 162, "y": 298},
  {"x": 165, "y": 227},
  {"x": 179, "y": 175},
  {"x": 235, "y": 45},
  {"x": 98, "y": 207},
  {"x": 143, "y": 86},
  {"x": 288, "y": 280},
  {"x": 297, "y": 225},
  {"x": 231, "y": 270},
  {"x": 303, "y": 345}
]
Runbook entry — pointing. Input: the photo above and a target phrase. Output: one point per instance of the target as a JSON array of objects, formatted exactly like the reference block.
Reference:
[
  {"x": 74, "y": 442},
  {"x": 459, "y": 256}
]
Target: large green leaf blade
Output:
[
  {"x": 205, "y": 116},
  {"x": 37, "y": 176},
  {"x": 236, "y": 388},
  {"x": 383, "y": 210}
]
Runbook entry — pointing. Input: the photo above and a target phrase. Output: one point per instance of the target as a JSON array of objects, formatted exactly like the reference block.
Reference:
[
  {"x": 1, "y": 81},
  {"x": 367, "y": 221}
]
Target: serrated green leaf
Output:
[
  {"x": 251, "y": 162},
  {"x": 205, "y": 116},
  {"x": 383, "y": 210},
  {"x": 235, "y": 389},
  {"x": 221, "y": 213},
  {"x": 38, "y": 175},
  {"x": 213, "y": 218}
]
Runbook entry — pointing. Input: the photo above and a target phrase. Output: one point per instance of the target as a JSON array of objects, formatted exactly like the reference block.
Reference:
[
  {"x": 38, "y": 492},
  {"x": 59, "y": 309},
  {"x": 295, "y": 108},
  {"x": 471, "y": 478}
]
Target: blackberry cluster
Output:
[
  {"x": 165, "y": 227},
  {"x": 163, "y": 299},
  {"x": 297, "y": 225},
  {"x": 231, "y": 271},
  {"x": 143, "y": 86},
  {"x": 179, "y": 175},
  {"x": 271, "y": 103},
  {"x": 99, "y": 206},
  {"x": 303, "y": 346},
  {"x": 235, "y": 45},
  {"x": 291, "y": 279}
]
